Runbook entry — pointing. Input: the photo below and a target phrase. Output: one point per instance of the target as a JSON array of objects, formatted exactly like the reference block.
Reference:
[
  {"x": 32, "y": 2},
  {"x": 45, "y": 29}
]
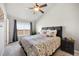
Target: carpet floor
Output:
[{"x": 14, "y": 49}]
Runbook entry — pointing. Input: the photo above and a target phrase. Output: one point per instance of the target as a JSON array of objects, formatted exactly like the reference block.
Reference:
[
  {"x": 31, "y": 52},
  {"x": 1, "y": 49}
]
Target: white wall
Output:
[
  {"x": 3, "y": 31},
  {"x": 1, "y": 38},
  {"x": 66, "y": 15},
  {"x": 11, "y": 28}
]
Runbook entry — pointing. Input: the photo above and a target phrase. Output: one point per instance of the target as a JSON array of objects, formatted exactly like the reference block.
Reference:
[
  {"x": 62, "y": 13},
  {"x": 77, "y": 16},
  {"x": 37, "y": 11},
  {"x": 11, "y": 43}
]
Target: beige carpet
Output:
[
  {"x": 61, "y": 53},
  {"x": 76, "y": 53},
  {"x": 14, "y": 49}
]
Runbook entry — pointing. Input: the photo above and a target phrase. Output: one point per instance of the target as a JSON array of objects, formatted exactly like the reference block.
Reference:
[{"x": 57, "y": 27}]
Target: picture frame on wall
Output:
[
  {"x": 1, "y": 15},
  {"x": 1, "y": 18}
]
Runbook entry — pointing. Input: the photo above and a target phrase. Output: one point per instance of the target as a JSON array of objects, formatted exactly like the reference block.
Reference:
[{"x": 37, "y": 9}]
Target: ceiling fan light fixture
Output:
[{"x": 36, "y": 9}]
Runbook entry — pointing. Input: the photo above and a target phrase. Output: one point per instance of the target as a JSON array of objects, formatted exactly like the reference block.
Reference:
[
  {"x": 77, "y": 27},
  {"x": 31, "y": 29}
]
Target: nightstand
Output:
[{"x": 67, "y": 45}]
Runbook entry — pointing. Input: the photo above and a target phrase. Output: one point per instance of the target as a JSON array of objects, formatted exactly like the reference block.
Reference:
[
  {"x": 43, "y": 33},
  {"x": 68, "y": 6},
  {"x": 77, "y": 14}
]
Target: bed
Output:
[{"x": 40, "y": 45}]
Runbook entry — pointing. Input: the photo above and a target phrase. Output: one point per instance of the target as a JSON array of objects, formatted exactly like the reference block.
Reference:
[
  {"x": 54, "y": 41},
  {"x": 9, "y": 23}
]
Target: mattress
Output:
[{"x": 39, "y": 45}]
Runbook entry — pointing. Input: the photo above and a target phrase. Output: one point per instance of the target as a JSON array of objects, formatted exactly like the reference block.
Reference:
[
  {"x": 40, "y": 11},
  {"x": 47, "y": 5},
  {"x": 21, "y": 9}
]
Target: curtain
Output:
[
  {"x": 15, "y": 32},
  {"x": 31, "y": 28}
]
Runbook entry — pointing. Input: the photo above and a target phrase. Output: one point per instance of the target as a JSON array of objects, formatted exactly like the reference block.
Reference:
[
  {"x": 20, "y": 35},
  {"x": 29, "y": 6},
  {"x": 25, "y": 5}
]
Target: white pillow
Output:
[
  {"x": 51, "y": 33},
  {"x": 43, "y": 32}
]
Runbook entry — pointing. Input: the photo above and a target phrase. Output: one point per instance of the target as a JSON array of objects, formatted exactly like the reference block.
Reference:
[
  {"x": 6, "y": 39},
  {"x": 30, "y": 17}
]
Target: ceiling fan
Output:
[{"x": 38, "y": 8}]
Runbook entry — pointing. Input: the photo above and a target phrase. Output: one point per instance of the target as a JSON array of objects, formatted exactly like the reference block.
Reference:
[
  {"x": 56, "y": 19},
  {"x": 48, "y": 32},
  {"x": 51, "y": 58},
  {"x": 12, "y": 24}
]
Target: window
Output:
[{"x": 23, "y": 28}]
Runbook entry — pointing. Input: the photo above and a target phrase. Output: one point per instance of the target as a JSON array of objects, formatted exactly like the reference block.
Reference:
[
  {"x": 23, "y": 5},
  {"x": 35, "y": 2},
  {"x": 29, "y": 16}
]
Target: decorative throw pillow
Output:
[
  {"x": 43, "y": 32},
  {"x": 51, "y": 33}
]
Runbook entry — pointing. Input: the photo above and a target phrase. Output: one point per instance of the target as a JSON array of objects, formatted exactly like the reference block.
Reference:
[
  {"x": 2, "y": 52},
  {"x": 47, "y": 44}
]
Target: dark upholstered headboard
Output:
[{"x": 58, "y": 28}]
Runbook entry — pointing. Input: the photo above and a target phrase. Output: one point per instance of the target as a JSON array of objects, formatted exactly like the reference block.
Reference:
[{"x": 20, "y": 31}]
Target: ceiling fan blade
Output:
[
  {"x": 41, "y": 11},
  {"x": 31, "y": 8},
  {"x": 36, "y": 4},
  {"x": 44, "y": 5}
]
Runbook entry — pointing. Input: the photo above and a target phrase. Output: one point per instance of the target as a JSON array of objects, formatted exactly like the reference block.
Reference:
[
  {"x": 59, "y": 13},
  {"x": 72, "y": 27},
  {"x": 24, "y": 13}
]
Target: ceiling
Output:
[{"x": 21, "y": 11}]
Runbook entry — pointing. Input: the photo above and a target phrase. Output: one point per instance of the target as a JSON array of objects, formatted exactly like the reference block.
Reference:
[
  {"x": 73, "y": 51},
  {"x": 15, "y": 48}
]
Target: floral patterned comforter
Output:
[{"x": 39, "y": 45}]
